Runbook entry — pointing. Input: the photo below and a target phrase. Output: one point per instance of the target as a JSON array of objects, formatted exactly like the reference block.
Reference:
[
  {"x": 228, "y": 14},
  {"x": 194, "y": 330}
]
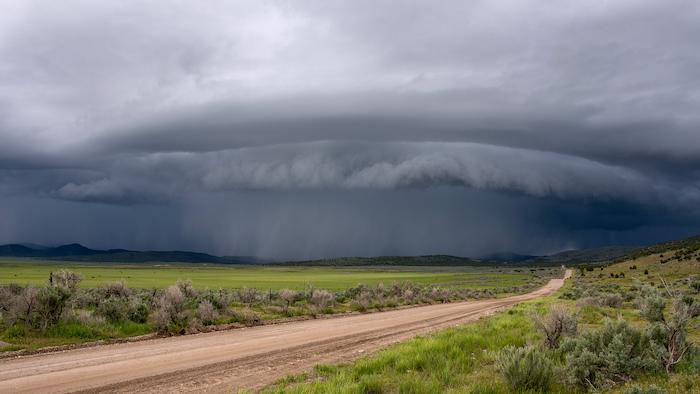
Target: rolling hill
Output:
[
  {"x": 77, "y": 252},
  {"x": 600, "y": 255}
]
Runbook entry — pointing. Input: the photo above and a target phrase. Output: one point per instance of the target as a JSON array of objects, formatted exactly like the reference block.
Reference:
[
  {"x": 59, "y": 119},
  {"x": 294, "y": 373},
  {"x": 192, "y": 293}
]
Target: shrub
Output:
[
  {"x": 186, "y": 288},
  {"x": 170, "y": 315},
  {"x": 246, "y": 316},
  {"x": 670, "y": 332},
  {"x": 649, "y": 390},
  {"x": 320, "y": 300},
  {"x": 587, "y": 301},
  {"x": 206, "y": 312},
  {"x": 438, "y": 294},
  {"x": 66, "y": 279},
  {"x": 113, "y": 309},
  {"x": 193, "y": 326},
  {"x": 220, "y": 299},
  {"x": 611, "y": 300},
  {"x": 52, "y": 299},
  {"x": 525, "y": 369},
  {"x": 558, "y": 323},
  {"x": 248, "y": 296},
  {"x": 6, "y": 296},
  {"x": 138, "y": 312},
  {"x": 51, "y": 302},
  {"x": 117, "y": 290},
  {"x": 652, "y": 307},
  {"x": 614, "y": 353},
  {"x": 378, "y": 298},
  {"x": 21, "y": 306},
  {"x": 408, "y": 295},
  {"x": 362, "y": 301},
  {"x": 288, "y": 296},
  {"x": 694, "y": 284},
  {"x": 694, "y": 309}
]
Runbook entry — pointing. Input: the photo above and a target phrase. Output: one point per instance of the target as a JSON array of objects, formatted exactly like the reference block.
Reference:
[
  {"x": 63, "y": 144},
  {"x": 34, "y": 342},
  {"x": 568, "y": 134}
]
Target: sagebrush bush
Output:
[
  {"x": 116, "y": 290},
  {"x": 611, "y": 300},
  {"x": 206, "y": 313},
  {"x": 171, "y": 315},
  {"x": 555, "y": 325},
  {"x": 248, "y": 296},
  {"x": 362, "y": 301},
  {"x": 66, "y": 279},
  {"x": 694, "y": 284},
  {"x": 652, "y": 307},
  {"x": 114, "y": 309},
  {"x": 525, "y": 369},
  {"x": 138, "y": 312},
  {"x": 52, "y": 301},
  {"x": 320, "y": 300},
  {"x": 653, "y": 389},
  {"x": 289, "y": 297},
  {"x": 246, "y": 316},
  {"x": 668, "y": 330},
  {"x": 22, "y": 306},
  {"x": 670, "y": 335},
  {"x": 6, "y": 297},
  {"x": 187, "y": 288},
  {"x": 220, "y": 299},
  {"x": 440, "y": 295},
  {"x": 614, "y": 353}
]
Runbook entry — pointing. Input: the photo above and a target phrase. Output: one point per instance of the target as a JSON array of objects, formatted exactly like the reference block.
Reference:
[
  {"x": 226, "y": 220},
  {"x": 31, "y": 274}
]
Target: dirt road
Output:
[{"x": 229, "y": 360}]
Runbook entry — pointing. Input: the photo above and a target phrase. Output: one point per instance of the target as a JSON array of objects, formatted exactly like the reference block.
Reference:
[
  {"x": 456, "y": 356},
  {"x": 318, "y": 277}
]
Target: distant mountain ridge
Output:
[
  {"x": 600, "y": 255},
  {"x": 428, "y": 260},
  {"x": 78, "y": 252},
  {"x": 508, "y": 257}
]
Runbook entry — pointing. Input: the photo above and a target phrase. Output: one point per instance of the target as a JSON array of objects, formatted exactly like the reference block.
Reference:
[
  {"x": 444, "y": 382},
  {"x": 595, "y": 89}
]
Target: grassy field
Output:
[
  {"x": 463, "y": 360},
  {"x": 115, "y": 301},
  {"x": 36, "y": 272}
]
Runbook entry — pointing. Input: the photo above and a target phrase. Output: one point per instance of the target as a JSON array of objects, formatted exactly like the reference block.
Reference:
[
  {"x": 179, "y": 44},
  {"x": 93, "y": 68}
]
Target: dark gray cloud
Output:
[
  {"x": 378, "y": 165},
  {"x": 367, "y": 127}
]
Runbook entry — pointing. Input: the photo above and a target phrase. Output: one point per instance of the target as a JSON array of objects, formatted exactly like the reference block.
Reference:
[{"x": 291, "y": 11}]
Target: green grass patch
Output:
[
  {"x": 456, "y": 360},
  {"x": 69, "y": 333},
  {"x": 36, "y": 272}
]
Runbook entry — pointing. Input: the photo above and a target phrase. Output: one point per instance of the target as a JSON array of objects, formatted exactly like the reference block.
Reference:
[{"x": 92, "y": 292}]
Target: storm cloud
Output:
[{"x": 324, "y": 128}]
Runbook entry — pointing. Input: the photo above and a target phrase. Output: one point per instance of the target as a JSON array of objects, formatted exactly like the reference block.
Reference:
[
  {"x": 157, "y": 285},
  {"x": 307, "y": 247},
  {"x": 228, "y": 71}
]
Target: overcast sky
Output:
[{"x": 299, "y": 129}]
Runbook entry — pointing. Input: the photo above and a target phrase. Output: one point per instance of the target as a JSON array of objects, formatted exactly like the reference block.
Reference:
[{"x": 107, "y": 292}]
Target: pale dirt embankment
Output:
[{"x": 225, "y": 361}]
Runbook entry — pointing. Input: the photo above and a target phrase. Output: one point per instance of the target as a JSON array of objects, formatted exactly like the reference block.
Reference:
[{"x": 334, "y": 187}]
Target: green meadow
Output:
[{"x": 36, "y": 272}]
